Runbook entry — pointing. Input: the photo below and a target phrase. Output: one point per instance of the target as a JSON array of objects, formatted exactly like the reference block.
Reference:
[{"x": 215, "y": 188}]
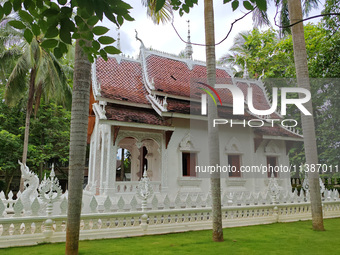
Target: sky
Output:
[{"x": 164, "y": 38}]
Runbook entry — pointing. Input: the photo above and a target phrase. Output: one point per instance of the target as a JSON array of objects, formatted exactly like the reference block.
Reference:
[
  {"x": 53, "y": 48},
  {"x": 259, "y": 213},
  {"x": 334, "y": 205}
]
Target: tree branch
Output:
[
  {"x": 313, "y": 17},
  {"x": 200, "y": 44}
]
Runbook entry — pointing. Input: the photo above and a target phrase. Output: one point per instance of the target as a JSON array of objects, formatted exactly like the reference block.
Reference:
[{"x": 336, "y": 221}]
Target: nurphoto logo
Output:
[{"x": 239, "y": 102}]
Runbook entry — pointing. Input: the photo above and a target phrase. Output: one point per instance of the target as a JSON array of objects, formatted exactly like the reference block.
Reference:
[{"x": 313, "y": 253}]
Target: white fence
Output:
[
  {"x": 123, "y": 219},
  {"x": 34, "y": 217}
]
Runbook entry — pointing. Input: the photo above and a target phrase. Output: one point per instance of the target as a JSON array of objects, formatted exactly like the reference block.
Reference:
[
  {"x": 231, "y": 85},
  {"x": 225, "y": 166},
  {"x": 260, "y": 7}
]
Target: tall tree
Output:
[
  {"x": 78, "y": 139},
  {"x": 264, "y": 52},
  {"x": 56, "y": 22},
  {"x": 46, "y": 78},
  {"x": 302, "y": 75},
  {"x": 213, "y": 134},
  {"x": 10, "y": 51}
]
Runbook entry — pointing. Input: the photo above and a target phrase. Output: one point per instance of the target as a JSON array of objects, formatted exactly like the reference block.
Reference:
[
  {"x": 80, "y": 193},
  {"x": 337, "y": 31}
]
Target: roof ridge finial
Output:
[
  {"x": 188, "y": 47},
  {"x": 118, "y": 39},
  {"x": 138, "y": 39}
]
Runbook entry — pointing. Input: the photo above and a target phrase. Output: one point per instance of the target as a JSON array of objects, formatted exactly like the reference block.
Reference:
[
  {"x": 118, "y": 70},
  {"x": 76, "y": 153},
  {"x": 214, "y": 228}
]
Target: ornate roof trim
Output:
[
  {"x": 100, "y": 112},
  {"x": 95, "y": 83}
]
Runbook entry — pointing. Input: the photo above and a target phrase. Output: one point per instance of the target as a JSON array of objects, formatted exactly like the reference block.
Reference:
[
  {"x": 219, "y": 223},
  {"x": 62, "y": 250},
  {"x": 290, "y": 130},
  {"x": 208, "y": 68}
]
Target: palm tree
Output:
[
  {"x": 260, "y": 17},
  {"x": 78, "y": 139},
  {"x": 237, "y": 49},
  {"x": 46, "y": 79},
  {"x": 308, "y": 127},
  {"x": 163, "y": 15},
  {"x": 214, "y": 153},
  {"x": 213, "y": 139},
  {"x": 9, "y": 49}
]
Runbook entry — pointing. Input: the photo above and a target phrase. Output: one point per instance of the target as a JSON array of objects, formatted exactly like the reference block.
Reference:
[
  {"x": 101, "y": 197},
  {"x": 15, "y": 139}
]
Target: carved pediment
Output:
[
  {"x": 233, "y": 147},
  {"x": 272, "y": 148},
  {"x": 187, "y": 143}
]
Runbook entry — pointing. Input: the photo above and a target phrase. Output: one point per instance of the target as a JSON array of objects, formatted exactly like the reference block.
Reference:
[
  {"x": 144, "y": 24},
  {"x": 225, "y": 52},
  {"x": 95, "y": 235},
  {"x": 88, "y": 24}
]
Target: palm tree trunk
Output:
[
  {"x": 300, "y": 57},
  {"x": 78, "y": 138},
  {"x": 214, "y": 152},
  {"x": 28, "y": 119}
]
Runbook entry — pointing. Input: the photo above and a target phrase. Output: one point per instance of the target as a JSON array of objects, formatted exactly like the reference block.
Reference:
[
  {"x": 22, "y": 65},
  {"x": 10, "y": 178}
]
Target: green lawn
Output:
[{"x": 280, "y": 238}]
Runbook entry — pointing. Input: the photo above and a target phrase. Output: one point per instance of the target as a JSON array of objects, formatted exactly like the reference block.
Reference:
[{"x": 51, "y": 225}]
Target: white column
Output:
[
  {"x": 94, "y": 153},
  {"x": 108, "y": 161},
  {"x": 163, "y": 166},
  {"x": 89, "y": 174},
  {"x": 102, "y": 162}
]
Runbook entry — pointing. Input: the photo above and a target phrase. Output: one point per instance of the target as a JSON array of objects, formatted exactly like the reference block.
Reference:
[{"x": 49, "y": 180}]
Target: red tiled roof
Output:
[
  {"x": 174, "y": 76},
  {"x": 275, "y": 131},
  {"x": 194, "y": 108},
  {"x": 133, "y": 114},
  {"x": 121, "y": 81}
]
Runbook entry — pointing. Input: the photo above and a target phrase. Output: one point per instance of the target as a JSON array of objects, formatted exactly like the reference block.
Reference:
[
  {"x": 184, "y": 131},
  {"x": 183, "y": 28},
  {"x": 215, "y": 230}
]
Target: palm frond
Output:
[
  {"x": 309, "y": 5},
  {"x": 16, "y": 87},
  {"x": 163, "y": 15},
  {"x": 260, "y": 18}
]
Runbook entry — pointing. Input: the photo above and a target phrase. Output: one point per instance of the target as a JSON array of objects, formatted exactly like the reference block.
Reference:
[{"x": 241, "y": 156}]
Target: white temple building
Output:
[{"x": 151, "y": 107}]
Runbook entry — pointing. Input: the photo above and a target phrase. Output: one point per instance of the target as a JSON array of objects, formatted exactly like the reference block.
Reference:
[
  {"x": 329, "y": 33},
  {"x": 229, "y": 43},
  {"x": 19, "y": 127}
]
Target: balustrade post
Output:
[
  {"x": 50, "y": 192},
  {"x": 274, "y": 190},
  {"x": 144, "y": 191}
]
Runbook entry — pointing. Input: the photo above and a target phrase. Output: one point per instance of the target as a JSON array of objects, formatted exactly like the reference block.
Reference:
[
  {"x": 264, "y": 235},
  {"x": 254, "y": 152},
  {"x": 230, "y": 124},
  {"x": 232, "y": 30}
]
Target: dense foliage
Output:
[
  {"x": 49, "y": 139},
  {"x": 265, "y": 53}
]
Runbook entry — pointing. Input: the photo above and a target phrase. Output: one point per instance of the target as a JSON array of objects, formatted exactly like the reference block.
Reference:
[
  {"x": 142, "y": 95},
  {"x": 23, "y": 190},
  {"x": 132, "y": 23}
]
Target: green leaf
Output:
[
  {"x": 51, "y": 32},
  {"x": 112, "y": 50},
  {"x": 16, "y": 5},
  {"x": 159, "y": 5},
  {"x": 79, "y": 20},
  {"x": 226, "y": 1},
  {"x": 67, "y": 24},
  {"x": 90, "y": 57},
  {"x": 27, "y": 4},
  {"x": 49, "y": 43},
  {"x": 75, "y": 36},
  {"x": 28, "y": 35},
  {"x": 25, "y": 16},
  {"x": 235, "y": 4},
  {"x": 248, "y": 5},
  {"x": 65, "y": 36},
  {"x": 7, "y": 8},
  {"x": 40, "y": 3},
  {"x": 106, "y": 40},
  {"x": 1, "y": 12},
  {"x": 57, "y": 52},
  {"x": 62, "y": 2},
  {"x": 262, "y": 4},
  {"x": 110, "y": 16},
  {"x": 100, "y": 30},
  {"x": 81, "y": 43},
  {"x": 95, "y": 45},
  {"x": 92, "y": 21},
  {"x": 43, "y": 25},
  {"x": 120, "y": 20},
  {"x": 17, "y": 24},
  {"x": 87, "y": 35},
  {"x": 36, "y": 29},
  {"x": 84, "y": 14},
  {"x": 50, "y": 12},
  {"x": 63, "y": 48},
  {"x": 128, "y": 17},
  {"x": 103, "y": 54},
  {"x": 67, "y": 11},
  {"x": 185, "y": 8}
]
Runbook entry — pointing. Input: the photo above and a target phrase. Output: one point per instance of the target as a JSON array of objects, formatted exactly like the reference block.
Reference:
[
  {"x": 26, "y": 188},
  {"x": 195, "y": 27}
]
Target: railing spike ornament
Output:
[
  {"x": 144, "y": 191},
  {"x": 273, "y": 188},
  {"x": 50, "y": 192}
]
